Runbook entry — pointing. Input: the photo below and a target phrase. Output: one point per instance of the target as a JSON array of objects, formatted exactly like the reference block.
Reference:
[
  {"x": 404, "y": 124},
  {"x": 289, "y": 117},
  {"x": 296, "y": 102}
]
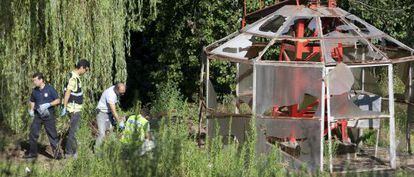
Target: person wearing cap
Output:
[
  {"x": 72, "y": 103},
  {"x": 42, "y": 102}
]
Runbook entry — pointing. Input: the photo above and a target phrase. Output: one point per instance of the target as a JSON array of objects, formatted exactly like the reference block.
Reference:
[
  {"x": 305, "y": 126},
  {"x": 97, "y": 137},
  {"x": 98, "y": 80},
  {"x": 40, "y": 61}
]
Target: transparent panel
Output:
[
  {"x": 212, "y": 96},
  {"x": 340, "y": 79},
  {"x": 273, "y": 24},
  {"x": 392, "y": 48},
  {"x": 288, "y": 10},
  {"x": 354, "y": 104},
  {"x": 370, "y": 81},
  {"x": 350, "y": 50},
  {"x": 368, "y": 102},
  {"x": 243, "y": 46},
  {"x": 273, "y": 132},
  {"x": 335, "y": 27},
  {"x": 268, "y": 27},
  {"x": 365, "y": 28},
  {"x": 325, "y": 11},
  {"x": 306, "y": 12},
  {"x": 340, "y": 12},
  {"x": 289, "y": 50},
  {"x": 285, "y": 85},
  {"x": 245, "y": 83},
  {"x": 342, "y": 107},
  {"x": 300, "y": 27},
  {"x": 402, "y": 72}
]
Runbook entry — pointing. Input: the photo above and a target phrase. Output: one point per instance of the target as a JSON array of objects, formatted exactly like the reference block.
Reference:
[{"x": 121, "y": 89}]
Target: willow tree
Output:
[{"x": 49, "y": 36}]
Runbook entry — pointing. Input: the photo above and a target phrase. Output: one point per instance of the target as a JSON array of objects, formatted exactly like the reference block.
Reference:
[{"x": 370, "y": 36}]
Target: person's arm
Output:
[
  {"x": 66, "y": 97},
  {"x": 32, "y": 104},
  {"x": 111, "y": 100},
  {"x": 147, "y": 132},
  {"x": 55, "y": 96},
  {"x": 71, "y": 85},
  {"x": 55, "y": 102},
  {"x": 114, "y": 113}
]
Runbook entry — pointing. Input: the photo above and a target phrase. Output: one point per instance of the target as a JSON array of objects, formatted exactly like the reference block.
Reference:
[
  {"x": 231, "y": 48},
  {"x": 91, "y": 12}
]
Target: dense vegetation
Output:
[
  {"x": 151, "y": 45},
  {"x": 50, "y": 36},
  {"x": 143, "y": 42},
  {"x": 177, "y": 153}
]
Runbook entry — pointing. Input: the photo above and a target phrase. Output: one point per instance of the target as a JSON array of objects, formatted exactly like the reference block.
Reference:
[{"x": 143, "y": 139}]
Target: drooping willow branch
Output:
[{"x": 49, "y": 36}]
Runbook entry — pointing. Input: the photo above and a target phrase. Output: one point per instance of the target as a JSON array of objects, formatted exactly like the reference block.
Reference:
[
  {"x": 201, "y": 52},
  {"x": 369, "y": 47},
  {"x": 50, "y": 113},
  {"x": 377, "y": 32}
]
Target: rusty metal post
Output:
[
  {"x": 243, "y": 23},
  {"x": 331, "y": 3},
  {"x": 300, "y": 33}
]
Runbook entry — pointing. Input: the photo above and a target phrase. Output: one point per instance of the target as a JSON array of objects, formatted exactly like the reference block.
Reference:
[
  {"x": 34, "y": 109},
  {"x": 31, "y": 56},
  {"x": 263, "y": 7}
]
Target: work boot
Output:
[
  {"x": 30, "y": 156},
  {"x": 69, "y": 156},
  {"x": 57, "y": 155}
]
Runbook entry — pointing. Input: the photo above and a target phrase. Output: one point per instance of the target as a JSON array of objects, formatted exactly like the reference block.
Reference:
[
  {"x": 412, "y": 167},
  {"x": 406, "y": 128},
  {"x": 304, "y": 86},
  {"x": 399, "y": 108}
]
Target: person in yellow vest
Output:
[
  {"x": 136, "y": 133},
  {"x": 72, "y": 103}
]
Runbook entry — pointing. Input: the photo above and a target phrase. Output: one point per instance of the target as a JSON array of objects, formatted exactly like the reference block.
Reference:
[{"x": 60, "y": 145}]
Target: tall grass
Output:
[{"x": 176, "y": 153}]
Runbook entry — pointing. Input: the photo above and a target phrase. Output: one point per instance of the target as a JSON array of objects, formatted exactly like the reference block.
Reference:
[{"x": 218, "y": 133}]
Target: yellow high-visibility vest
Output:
[{"x": 136, "y": 128}]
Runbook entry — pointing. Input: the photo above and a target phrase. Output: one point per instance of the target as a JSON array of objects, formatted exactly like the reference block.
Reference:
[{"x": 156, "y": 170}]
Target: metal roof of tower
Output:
[{"x": 298, "y": 33}]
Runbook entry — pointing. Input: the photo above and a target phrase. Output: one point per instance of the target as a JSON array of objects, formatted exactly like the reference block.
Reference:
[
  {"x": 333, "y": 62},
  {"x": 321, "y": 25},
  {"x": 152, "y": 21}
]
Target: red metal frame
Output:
[{"x": 299, "y": 48}]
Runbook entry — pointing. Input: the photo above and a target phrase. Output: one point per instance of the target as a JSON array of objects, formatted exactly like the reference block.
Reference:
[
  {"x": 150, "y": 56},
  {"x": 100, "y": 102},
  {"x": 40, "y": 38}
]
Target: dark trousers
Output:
[
  {"x": 49, "y": 123},
  {"x": 71, "y": 142}
]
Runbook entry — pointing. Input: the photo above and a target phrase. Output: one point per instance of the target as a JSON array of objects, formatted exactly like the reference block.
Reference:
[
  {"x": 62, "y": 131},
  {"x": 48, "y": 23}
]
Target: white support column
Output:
[
  {"x": 237, "y": 88},
  {"x": 410, "y": 81},
  {"x": 254, "y": 89},
  {"x": 207, "y": 92},
  {"x": 361, "y": 130},
  {"x": 410, "y": 95},
  {"x": 328, "y": 102},
  {"x": 363, "y": 79},
  {"x": 376, "y": 142},
  {"x": 322, "y": 101},
  {"x": 392, "y": 119},
  {"x": 207, "y": 81}
]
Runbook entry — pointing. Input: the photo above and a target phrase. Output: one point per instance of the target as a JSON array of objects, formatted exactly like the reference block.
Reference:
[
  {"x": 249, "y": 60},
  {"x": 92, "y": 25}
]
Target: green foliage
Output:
[
  {"x": 222, "y": 76},
  {"x": 50, "y": 36},
  {"x": 176, "y": 154},
  {"x": 182, "y": 28},
  {"x": 392, "y": 17},
  {"x": 253, "y": 5},
  {"x": 168, "y": 99},
  {"x": 176, "y": 37}
]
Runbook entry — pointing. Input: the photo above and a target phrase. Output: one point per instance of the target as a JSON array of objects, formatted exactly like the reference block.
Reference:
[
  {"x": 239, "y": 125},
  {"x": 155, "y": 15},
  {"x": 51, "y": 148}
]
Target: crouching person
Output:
[
  {"x": 107, "y": 116},
  {"x": 136, "y": 135}
]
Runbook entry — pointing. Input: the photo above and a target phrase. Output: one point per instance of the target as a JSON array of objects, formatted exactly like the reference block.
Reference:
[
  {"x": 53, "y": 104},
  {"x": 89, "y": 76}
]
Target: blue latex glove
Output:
[
  {"x": 31, "y": 113},
  {"x": 63, "y": 112},
  {"x": 43, "y": 107},
  {"x": 122, "y": 125}
]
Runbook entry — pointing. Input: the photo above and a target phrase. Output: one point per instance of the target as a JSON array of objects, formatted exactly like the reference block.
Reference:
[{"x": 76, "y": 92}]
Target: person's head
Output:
[
  {"x": 145, "y": 113},
  {"x": 120, "y": 89},
  {"x": 38, "y": 79},
  {"x": 82, "y": 66}
]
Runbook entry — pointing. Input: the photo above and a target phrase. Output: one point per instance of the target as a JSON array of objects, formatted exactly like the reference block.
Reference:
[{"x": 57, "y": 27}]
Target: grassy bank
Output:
[{"x": 176, "y": 154}]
